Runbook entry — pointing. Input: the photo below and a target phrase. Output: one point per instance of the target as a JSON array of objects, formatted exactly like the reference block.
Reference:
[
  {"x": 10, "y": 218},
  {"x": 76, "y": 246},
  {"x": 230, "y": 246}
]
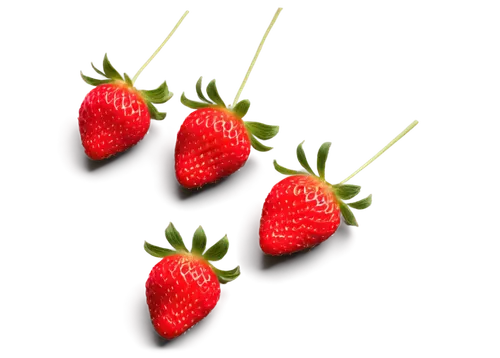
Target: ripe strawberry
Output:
[
  {"x": 303, "y": 209},
  {"x": 214, "y": 141},
  {"x": 115, "y": 116},
  {"x": 181, "y": 291},
  {"x": 184, "y": 287}
]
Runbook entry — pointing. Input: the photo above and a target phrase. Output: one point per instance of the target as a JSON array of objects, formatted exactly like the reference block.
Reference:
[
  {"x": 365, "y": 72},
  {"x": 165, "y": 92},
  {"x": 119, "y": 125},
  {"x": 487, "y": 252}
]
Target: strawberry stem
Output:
[
  {"x": 161, "y": 46},
  {"x": 391, "y": 143},
  {"x": 254, "y": 59}
]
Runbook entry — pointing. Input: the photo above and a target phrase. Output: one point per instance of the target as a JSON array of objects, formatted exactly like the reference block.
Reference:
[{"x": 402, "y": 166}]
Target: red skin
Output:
[
  {"x": 181, "y": 290},
  {"x": 138, "y": 323},
  {"x": 300, "y": 212},
  {"x": 113, "y": 117},
  {"x": 261, "y": 267},
  {"x": 176, "y": 196},
  {"x": 212, "y": 143},
  {"x": 81, "y": 166}
]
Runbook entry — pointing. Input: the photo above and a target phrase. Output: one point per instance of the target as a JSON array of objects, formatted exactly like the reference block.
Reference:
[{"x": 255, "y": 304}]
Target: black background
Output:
[{"x": 352, "y": 76}]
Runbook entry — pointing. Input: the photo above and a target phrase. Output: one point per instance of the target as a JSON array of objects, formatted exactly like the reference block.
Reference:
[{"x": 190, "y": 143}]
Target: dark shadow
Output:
[
  {"x": 176, "y": 196},
  {"x": 81, "y": 166},
  {"x": 140, "y": 328},
  {"x": 267, "y": 268}
]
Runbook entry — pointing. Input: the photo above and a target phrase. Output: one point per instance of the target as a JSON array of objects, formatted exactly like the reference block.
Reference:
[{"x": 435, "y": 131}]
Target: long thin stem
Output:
[
  {"x": 252, "y": 65},
  {"x": 391, "y": 143},
  {"x": 161, "y": 46}
]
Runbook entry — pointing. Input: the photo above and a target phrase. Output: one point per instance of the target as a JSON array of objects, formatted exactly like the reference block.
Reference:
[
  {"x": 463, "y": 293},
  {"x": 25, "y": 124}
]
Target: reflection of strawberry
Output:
[
  {"x": 303, "y": 209},
  {"x": 184, "y": 287},
  {"x": 115, "y": 116},
  {"x": 214, "y": 141}
]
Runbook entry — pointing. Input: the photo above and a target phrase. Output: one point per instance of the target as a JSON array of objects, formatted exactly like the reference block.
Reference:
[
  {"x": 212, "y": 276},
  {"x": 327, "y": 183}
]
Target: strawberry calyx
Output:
[
  {"x": 214, "y": 253},
  {"x": 240, "y": 109},
  {"x": 341, "y": 191},
  {"x": 158, "y": 95}
]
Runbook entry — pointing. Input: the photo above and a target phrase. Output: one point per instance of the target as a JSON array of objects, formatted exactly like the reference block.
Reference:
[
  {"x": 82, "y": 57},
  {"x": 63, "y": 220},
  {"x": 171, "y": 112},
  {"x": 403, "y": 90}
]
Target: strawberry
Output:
[
  {"x": 184, "y": 287},
  {"x": 115, "y": 116},
  {"x": 214, "y": 141},
  {"x": 303, "y": 210}
]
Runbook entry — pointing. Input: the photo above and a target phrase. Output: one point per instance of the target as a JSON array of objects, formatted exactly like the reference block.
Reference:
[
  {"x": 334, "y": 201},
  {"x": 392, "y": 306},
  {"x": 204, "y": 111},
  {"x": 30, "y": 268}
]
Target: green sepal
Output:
[
  {"x": 94, "y": 82},
  {"x": 157, "y": 251},
  {"x": 218, "y": 250},
  {"x": 174, "y": 238},
  {"x": 95, "y": 69},
  {"x": 285, "y": 171},
  {"x": 128, "y": 80},
  {"x": 322, "y": 156},
  {"x": 213, "y": 94},
  {"x": 109, "y": 70},
  {"x": 347, "y": 214},
  {"x": 362, "y": 204},
  {"x": 301, "y": 156},
  {"x": 258, "y": 145},
  {"x": 226, "y": 276},
  {"x": 194, "y": 104},
  {"x": 198, "y": 90},
  {"x": 199, "y": 241},
  {"x": 158, "y": 95},
  {"x": 262, "y": 131},
  {"x": 153, "y": 112},
  {"x": 241, "y": 108},
  {"x": 346, "y": 191}
]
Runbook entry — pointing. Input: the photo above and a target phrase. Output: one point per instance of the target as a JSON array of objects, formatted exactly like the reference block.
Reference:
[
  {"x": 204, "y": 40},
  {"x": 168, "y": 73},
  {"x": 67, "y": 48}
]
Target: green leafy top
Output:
[
  {"x": 341, "y": 191},
  {"x": 214, "y": 253},
  {"x": 255, "y": 129},
  {"x": 159, "y": 95}
]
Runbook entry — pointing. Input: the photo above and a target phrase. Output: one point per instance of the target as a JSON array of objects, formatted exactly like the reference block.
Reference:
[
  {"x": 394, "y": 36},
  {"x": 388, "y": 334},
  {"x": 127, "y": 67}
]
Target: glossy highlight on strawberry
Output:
[
  {"x": 177, "y": 196},
  {"x": 184, "y": 287},
  {"x": 262, "y": 267}
]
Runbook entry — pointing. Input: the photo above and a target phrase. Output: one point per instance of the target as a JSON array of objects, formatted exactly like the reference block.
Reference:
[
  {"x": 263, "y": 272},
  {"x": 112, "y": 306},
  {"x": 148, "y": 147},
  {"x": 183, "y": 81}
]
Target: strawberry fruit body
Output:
[
  {"x": 180, "y": 292},
  {"x": 184, "y": 287},
  {"x": 214, "y": 141},
  {"x": 115, "y": 116},
  {"x": 303, "y": 210}
]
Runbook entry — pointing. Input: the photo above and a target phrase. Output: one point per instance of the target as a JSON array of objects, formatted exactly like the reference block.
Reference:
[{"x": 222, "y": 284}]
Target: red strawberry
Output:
[
  {"x": 115, "y": 116},
  {"x": 303, "y": 209},
  {"x": 184, "y": 287},
  {"x": 181, "y": 291},
  {"x": 214, "y": 141}
]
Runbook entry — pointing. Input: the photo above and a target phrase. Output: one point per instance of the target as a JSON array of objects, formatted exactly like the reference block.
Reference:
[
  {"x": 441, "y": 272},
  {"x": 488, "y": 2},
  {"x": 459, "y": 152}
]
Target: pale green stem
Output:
[
  {"x": 391, "y": 143},
  {"x": 251, "y": 67},
  {"x": 161, "y": 46}
]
